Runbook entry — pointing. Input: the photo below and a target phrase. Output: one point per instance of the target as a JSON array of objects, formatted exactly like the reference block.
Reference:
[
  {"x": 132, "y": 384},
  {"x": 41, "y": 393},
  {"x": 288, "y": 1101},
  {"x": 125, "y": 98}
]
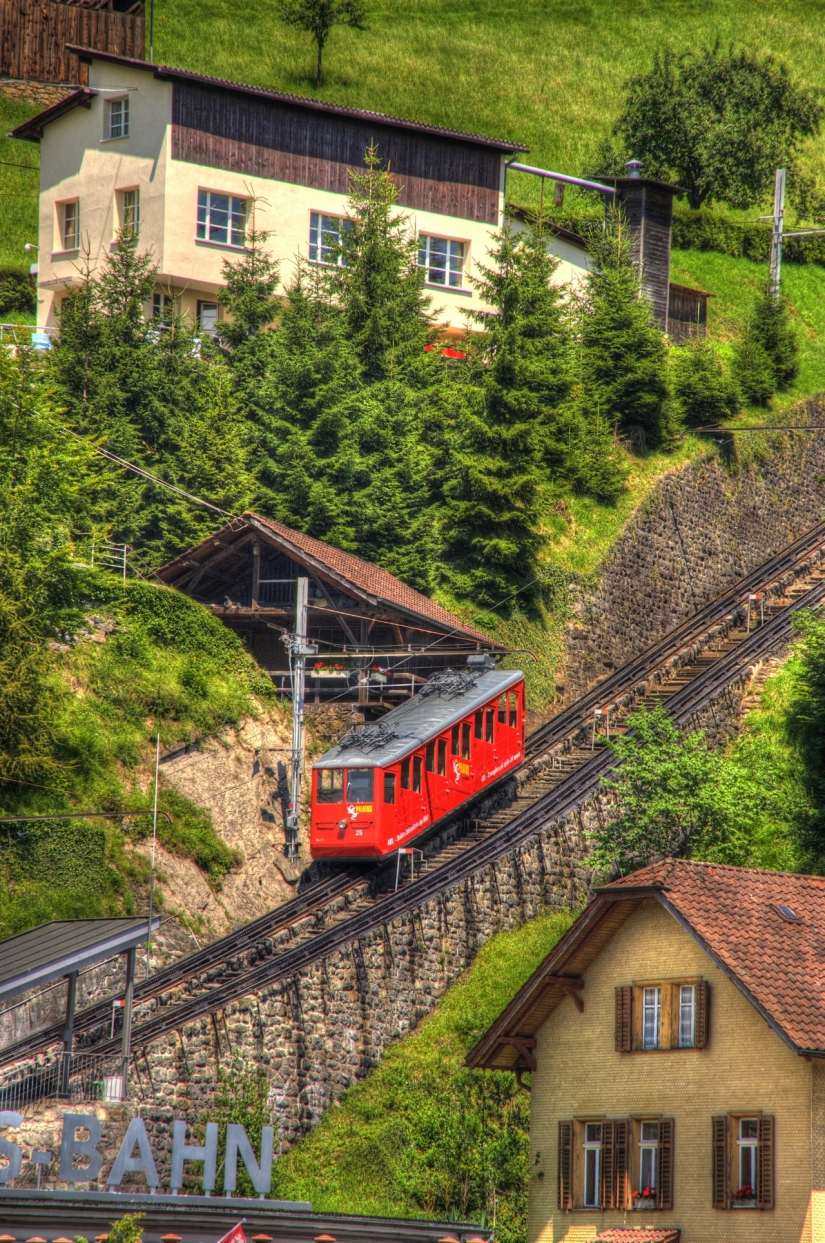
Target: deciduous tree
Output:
[{"x": 317, "y": 18}]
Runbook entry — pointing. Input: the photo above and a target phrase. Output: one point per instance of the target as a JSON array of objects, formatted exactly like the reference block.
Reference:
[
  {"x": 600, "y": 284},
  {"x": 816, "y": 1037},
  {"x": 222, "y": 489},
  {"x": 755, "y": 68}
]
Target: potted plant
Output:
[
  {"x": 646, "y": 1198},
  {"x": 320, "y": 670},
  {"x": 745, "y": 1197}
]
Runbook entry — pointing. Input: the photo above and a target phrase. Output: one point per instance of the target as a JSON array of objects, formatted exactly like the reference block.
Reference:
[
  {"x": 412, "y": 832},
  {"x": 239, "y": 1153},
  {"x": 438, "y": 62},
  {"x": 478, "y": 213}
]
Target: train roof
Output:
[{"x": 446, "y": 698}]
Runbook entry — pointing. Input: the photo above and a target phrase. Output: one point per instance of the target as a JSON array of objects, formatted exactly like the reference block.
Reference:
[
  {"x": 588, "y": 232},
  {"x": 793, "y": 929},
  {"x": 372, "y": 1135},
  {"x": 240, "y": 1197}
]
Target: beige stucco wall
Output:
[
  {"x": 77, "y": 162},
  {"x": 745, "y": 1067}
]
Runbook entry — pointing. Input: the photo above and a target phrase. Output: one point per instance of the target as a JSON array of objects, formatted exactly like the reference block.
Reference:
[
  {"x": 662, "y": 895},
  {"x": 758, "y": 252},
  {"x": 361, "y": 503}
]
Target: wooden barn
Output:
[
  {"x": 34, "y": 35},
  {"x": 377, "y": 638}
]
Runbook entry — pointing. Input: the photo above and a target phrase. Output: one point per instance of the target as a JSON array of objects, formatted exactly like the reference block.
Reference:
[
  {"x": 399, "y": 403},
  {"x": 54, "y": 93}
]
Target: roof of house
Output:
[
  {"x": 764, "y": 930},
  {"x": 170, "y": 74},
  {"x": 358, "y": 578},
  {"x": 639, "y": 1234}
]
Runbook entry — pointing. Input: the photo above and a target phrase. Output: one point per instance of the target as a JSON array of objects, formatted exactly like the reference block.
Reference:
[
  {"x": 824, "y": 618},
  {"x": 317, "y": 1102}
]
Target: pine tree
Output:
[
  {"x": 753, "y": 366},
  {"x": 248, "y": 292},
  {"x": 774, "y": 329},
  {"x": 623, "y": 352},
  {"x": 704, "y": 392},
  {"x": 378, "y": 284}
]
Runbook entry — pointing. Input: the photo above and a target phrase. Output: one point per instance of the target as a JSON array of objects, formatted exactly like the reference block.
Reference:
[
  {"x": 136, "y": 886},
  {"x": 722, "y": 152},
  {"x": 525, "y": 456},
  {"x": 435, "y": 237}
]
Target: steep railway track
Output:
[{"x": 562, "y": 768}]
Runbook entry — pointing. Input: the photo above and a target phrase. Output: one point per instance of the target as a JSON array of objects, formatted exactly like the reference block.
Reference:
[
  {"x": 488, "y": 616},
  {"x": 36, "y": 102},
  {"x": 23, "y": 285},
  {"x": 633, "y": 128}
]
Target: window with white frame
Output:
[
  {"x": 648, "y": 1151},
  {"x": 70, "y": 225},
  {"x": 592, "y": 1164},
  {"x": 130, "y": 211},
  {"x": 163, "y": 305},
  {"x": 118, "y": 118},
  {"x": 222, "y": 218},
  {"x": 326, "y": 235},
  {"x": 442, "y": 261},
  {"x": 651, "y": 1013},
  {"x": 687, "y": 1016},
  {"x": 747, "y": 1144}
]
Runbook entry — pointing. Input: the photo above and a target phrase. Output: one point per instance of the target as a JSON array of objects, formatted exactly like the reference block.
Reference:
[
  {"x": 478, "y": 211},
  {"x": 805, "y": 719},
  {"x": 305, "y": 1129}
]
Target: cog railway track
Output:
[{"x": 563, "y": 767}]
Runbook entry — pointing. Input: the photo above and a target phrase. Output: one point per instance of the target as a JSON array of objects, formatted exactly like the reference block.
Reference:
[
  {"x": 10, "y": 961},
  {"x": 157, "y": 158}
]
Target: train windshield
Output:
[
  {"x": 359, "y": 785},
  {"x": 330, "y": 785}
]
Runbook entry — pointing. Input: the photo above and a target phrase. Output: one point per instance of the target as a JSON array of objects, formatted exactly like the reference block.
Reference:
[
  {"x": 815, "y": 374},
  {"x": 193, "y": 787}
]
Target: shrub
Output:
[{"x": 704, "y": 393}]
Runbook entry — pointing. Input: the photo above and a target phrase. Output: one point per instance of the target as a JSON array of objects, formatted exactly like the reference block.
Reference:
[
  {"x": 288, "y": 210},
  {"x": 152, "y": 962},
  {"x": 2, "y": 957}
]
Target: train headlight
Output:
[{"x": 342, "y": 824}]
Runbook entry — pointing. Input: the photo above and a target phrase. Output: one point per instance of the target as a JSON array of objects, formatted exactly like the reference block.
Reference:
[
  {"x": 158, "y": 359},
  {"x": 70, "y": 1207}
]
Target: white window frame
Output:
[
  {"x": 204, "y": 227},
  {"x": 318, "y": 222},
  {"x": 119, "y": 108},
  {"x": 651, "y": 1146},
  {"x": 651, "y": 1017},
  {"x": 593, "y": 1158},
  {"x": 62, "y": 219},
  {"x": 746, "y": 1143},
  {"x": 454, "y": 260},
  {"x": 123, "y": 195},
  {"x": 687, "y": 1016}
]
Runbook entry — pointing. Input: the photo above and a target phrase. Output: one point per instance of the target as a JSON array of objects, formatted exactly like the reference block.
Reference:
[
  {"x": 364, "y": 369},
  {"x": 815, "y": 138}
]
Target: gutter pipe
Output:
[{"x": 570, "y": 181}]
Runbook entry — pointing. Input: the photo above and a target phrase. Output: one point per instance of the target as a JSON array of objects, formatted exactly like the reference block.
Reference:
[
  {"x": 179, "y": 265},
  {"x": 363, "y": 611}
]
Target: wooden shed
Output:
[
  {"x": 34, "y": 35},
  {"x": 687, "y": 312},
  {"x": 377, "y": 637}
]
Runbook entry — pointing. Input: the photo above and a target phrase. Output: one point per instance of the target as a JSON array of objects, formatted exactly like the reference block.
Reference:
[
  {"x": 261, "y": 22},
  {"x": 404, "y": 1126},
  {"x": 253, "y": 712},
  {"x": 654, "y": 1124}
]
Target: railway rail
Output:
[{"x": 563, "y": 768}]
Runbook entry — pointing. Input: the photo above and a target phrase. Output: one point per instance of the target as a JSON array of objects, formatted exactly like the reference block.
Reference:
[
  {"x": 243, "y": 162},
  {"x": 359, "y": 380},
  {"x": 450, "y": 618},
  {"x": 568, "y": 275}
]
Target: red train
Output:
[{"x": 384, "y": 784}]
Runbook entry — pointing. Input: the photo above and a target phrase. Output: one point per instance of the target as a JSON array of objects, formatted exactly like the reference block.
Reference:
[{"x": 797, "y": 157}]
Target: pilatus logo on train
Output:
[{"x": 461, "y": 768}]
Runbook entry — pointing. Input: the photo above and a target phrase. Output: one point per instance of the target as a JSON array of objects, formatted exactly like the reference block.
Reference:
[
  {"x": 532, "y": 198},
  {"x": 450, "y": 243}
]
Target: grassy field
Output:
[{"x": 18, "y": 189}]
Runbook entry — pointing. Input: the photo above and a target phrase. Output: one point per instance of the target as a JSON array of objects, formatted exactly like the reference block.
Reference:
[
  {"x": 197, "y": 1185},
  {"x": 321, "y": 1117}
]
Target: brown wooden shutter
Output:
[
  {"x": 565, "y": 1165},
  {"x": 621, "y": 1164},
  {"x": 721, "y": 1190},
  {"x": 607, "y": 1165},
  {"x": 624, "y": 1019},
  {"x": 764, "y": 1164},
  {"x": 701, "y": 1030},
  {"x": 664, "y": 1192}
]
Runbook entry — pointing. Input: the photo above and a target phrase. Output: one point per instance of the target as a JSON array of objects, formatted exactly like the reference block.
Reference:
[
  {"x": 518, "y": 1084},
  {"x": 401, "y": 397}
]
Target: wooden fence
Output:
[{"x": 34, "y": 34}]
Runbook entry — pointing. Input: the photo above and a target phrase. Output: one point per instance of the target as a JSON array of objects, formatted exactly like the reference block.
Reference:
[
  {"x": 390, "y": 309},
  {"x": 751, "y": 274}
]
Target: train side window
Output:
[
  {"x": 405, "y": 774},
  {"x": 431, "y": 757},
  {"x": 513, "y": 709},
  {"x": 465, "y": 740},
  {"x": 330, "y": 785},
  {"x": 479, "y": 723},
  {"x": 389, "y": 787},
  {"x": 360, "y": 785},
  {"x": 454, "y": 740},
  {"x": 488, "y": 725},
  {"x": 502, "y": 709},
  {"x": 442, "y": 757},
  {"x": 416, "y": 774}
]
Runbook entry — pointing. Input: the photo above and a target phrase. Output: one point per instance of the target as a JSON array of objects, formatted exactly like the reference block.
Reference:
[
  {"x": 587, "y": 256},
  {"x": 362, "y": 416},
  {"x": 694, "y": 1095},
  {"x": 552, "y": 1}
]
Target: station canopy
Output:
[{"x": 63, "y": 947}]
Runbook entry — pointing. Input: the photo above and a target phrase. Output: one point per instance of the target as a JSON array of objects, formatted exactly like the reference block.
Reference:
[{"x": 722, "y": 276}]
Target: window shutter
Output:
[
  {"x": 565, "y": 1165},
  {"x": 607, "y": 1166},
  {"x": 764, "y": 1164},
  {"x": 621, "y": 1164},
  {"x": 624, "y": 1017},
  {"x": 664, "y": 1194},
  {"x": 721, "y": 1192},
  {"x": 700, "y": 1037}
]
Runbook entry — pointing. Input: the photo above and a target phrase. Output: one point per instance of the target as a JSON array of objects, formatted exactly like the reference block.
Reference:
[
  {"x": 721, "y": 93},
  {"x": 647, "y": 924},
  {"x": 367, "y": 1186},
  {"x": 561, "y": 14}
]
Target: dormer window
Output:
[{"x": 118, "y": 118}]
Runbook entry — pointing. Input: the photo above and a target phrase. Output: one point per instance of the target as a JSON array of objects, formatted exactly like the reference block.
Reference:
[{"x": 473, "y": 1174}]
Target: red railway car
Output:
[{"x": 384, "y": 784}]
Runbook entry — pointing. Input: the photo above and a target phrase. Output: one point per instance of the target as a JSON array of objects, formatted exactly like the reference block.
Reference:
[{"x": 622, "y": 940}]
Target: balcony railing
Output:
[{"x": 72, "y": 1078}]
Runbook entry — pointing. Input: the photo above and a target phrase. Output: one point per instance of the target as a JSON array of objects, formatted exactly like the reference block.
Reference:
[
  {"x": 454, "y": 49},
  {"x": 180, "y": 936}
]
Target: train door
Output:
[
  {"x": 460, "y": 760},
  {"x": 484, "y": 745},
  {"x": 389, "y": 815},
  {"x": 509, "y": 725},
  {"x": 436, "y": 775},
  {"x": 413, "y": 813}
]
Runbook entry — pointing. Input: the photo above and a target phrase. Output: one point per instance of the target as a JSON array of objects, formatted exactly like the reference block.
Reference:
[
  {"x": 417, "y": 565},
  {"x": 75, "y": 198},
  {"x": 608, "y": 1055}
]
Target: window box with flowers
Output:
[
  {"x": 744, "y": 1197},
  {"x": 647, "y": 1198},
  {"x": 320, "y": 670}
]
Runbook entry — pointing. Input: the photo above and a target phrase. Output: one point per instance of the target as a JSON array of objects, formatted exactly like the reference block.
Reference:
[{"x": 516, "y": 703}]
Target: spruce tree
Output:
[
  {"x": 623, "y": 355},
  {"x": 753, "y": 366},
  {"x": 774, "y": 329},
  {"x": 703, "y": 391}
]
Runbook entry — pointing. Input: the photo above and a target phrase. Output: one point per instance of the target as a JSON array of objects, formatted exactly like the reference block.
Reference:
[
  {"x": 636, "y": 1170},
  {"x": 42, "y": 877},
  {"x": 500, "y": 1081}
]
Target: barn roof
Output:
[
  {"x": 357, "y": 578},
  {"x": 170, "y": 74},
  {"x": 764, "y": 930},
  {"x": 443, "y": 700}
]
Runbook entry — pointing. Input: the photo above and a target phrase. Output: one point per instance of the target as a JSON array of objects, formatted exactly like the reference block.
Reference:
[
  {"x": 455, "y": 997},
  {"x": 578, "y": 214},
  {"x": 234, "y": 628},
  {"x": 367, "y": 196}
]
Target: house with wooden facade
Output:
[
  {"x": 192, "y": 163},
  {"x": 675, "y": 1040},
  {"x": 35, "y": 36},
  {"x": 378, "y": 640}
]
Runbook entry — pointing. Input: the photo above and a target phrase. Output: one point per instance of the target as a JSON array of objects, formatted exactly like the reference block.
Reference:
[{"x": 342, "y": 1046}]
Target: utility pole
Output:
[
  {"x": 776, "y": 238},
  {"x": 299, "y": 650}
]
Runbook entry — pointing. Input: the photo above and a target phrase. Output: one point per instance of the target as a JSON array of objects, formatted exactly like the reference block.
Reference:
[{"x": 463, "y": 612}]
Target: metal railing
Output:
[
  {"x": 71, "y": 1078},
  {"x": 38, "y": 338}
]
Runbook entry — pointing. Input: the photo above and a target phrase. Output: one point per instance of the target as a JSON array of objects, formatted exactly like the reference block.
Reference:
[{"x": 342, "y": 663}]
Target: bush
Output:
[
  {"x": 17, "y": 292},
  {"x": 767, "y": 353},
  {"x": 704, "y": 393}
]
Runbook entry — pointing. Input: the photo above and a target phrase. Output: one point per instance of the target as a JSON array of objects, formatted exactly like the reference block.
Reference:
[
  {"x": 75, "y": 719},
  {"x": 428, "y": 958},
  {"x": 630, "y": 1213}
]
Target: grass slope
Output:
[
  {"x": 378, "y": 1152},
  {"x": 19, "y": 188}
]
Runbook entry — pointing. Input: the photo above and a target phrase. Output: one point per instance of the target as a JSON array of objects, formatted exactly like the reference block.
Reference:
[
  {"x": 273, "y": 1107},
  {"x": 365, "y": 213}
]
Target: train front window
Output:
[
  {"x": 454, "y": 740},
  {"x": 465, "y": 740},
  {"x": 330, "y": 787},
  {"x": 479, "y": 723},
  {"x": 513, "y": 709},
  {"x": 416, "y": 774},
  {"x": 389, "y": 787},
  {"x": 442, "y": 757},
  {"x": 488, "y": 725},
  {"x": 405, "y": 774},
  {"x": 502, "y": 709},
  {"x": 430, "y": 757},
  {"x": 359, "y": 785}
]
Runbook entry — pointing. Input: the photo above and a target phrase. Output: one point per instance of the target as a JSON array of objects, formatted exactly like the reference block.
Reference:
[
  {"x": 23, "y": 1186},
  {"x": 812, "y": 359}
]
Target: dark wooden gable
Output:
[
  {"x": 648, "y": 207},
  {"x": 274, "y": 138}
]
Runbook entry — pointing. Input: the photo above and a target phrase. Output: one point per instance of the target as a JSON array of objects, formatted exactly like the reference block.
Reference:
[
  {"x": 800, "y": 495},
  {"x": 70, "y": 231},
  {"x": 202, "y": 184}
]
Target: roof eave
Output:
[{"x": 32, "y": 130}]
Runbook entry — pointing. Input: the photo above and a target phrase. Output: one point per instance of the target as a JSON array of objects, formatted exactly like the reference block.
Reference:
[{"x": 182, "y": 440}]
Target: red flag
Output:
[{"x": 235, "y": 1235}]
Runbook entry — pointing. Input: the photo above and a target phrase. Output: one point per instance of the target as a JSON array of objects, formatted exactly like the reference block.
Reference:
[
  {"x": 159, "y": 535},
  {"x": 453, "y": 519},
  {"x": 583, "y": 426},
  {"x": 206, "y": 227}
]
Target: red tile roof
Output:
[
  {"x": 765, "y": 930},
  {"x": 642, "y": 1234},
  {"x": 372, "y": 579}
]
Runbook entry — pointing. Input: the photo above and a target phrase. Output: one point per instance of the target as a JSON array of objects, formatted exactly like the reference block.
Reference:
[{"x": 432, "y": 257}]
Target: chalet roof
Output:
[
  {"x": 359, "y": 579},
  {"x": 764, "y": 930},
  {"x": 169, "y": 73}
]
